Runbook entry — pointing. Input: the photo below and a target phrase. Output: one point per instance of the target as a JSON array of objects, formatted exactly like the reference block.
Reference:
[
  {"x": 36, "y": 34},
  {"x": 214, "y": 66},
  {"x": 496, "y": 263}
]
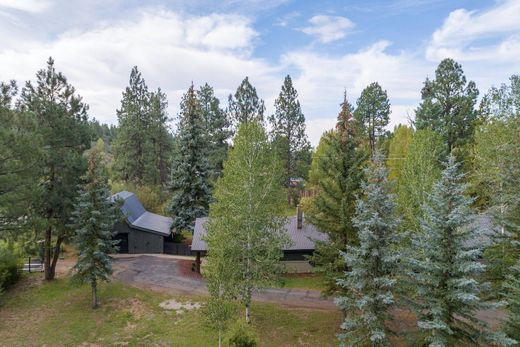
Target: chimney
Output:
[{"x": 299, "y": 217}]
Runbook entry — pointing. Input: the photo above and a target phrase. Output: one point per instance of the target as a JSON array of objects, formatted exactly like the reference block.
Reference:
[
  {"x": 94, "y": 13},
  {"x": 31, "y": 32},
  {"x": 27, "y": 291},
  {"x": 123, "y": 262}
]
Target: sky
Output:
[{"x": 326, "y": 46}]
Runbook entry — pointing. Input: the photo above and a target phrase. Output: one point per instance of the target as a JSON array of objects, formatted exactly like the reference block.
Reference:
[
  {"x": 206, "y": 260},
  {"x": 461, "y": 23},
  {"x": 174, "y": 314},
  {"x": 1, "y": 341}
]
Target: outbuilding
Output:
[
  {"x": 302, "y": 235},
  {"x": 140, "y": 231}
]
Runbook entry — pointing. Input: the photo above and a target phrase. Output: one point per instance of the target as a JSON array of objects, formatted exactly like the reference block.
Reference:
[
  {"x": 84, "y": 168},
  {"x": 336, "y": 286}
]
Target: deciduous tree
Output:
[{"x": 245, "y": 228}]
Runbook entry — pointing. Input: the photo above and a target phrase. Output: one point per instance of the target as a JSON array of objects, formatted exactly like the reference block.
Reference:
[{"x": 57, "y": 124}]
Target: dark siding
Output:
[
  {"x": 296, "y": 255},
  {"x": 144, "y": 242}
]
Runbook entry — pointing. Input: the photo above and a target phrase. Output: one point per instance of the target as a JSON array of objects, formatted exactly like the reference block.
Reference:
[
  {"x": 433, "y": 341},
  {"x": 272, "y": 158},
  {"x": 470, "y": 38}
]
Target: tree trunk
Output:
[
  {"x": 55, "y": 256},
  {"x": 94, "y": 294},
  {"x": 47, "y": 254},
  {"x": 248, "y": 314},
  {"x": 219, "y": 338}
]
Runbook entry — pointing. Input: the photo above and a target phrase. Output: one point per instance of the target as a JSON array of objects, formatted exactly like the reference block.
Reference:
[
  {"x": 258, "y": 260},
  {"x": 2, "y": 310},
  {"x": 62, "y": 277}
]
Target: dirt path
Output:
[{"x": 167, "y": 274}]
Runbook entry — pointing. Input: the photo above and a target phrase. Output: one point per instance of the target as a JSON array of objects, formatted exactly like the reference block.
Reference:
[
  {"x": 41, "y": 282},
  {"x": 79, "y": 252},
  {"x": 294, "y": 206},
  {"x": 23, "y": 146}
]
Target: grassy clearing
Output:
[
  {"x": 303, "y": 281},
  {"x": 58, "y": 314}
]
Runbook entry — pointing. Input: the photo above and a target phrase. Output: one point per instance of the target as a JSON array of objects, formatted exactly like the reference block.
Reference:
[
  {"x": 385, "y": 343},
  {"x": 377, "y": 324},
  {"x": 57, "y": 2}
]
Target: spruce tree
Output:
[
  {"x": 288, "y": 129},
  {"x": 132, "y": 148},
  {"x": 372, "y": 113},
  {"x": 447, "y": 105},
  {"x": 218, "y": 128},
  {"x": 444, "y": 265},
  {"x": 61, "y": 118},
  {"x": 93, "y": 220},
  {"x": 371, "y": 279},
  {"x": 190, "y": 173},
  {"x": 245, "y": 105},
  {"x": 511, "y": 326},
  {"x": 246, "y": 233},
  {"x": 341, "y": 173}
]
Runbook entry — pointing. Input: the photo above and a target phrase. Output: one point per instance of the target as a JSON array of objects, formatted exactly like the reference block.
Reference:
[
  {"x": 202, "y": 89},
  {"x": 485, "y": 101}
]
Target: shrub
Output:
[
  {"x": 9, "y": 272},
  {"x": 243, "y": 336}
]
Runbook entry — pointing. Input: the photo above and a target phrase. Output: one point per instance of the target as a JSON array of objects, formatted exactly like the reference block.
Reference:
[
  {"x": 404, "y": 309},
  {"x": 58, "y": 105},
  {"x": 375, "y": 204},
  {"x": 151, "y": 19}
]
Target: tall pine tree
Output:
[
  {"x": 190, "y": 169},
  {"x": 511, "y": 326},
  {"x": 447, "y": 105},
  {"x": 371, "y": 279},
  {"x": 61, "y": 118},
  {"x": 132, "y": 148},
  {"x": 218, "y": 128},
  {"x": 334, "y": 206},
  {"x": 372, "y": 113},
  {"x": 288, "y": 129},
  {"x": 444, "y": 265},
  {"x": 158, "y": 163},
  {"x": 245, "y": 228},
  {"x": 245, "y": 105},
  {"x": 20, "y": 153},
  {"x": 93, "y": 220}
]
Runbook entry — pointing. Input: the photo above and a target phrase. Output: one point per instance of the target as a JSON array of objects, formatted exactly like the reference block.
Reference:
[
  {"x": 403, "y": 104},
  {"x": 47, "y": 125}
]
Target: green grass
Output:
[
  {"x": 58, "y": 314},
  {"x": 303, "y": 281}
]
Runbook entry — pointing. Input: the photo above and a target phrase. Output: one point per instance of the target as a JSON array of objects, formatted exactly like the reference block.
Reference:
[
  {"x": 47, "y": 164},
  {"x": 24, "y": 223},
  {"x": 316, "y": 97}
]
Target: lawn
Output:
[
  {"x": 58, "y": 314},
  {"x": 303, "y": 281}
]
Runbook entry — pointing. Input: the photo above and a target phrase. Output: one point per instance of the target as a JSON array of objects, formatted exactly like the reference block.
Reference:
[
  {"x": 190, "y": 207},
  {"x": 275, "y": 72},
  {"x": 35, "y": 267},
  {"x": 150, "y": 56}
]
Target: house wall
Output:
[{"x": 144, "y": 242}]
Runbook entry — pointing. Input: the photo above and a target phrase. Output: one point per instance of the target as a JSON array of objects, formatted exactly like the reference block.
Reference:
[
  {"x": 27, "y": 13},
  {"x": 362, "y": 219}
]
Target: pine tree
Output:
[
  {"x": 132, "y": 148},
  {"x": 444, "y": 265},
  {"x": 370, "y": 283},
  {"x": 190, "y": 170},
  {"x": 334, "y": 206},
  {"x": 372, "y": 113},
  {"x": 93, "y": 219},
  {"x": 217, "y": 128},
  {"x": 20, "y": 153},
  {"x": 447, "y": 105},
  {"x": 245, "y": 106},
  {"x": 158, "y": 164},
  {"x": 288, "y": 129},
  {"x": 62, "y": 123},
  {"x": 245, "y": 228}
]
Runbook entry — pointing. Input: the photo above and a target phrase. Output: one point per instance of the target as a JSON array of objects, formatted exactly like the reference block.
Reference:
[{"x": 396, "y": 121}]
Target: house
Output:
[
  {"x": 303, "y": 236},
  {"x": 140, "y": 231}
]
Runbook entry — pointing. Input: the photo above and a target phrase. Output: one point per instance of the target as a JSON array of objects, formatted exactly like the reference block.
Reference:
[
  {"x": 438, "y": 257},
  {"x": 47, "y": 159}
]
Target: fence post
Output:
[{"x": 29, "y": 263}]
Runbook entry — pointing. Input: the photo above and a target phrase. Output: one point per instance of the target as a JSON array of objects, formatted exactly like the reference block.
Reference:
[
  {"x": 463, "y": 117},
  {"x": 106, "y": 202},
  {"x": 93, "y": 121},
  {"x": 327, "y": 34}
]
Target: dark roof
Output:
[
  {"x": 302, "y": 239},
  {"x": 139, "y": 218}
]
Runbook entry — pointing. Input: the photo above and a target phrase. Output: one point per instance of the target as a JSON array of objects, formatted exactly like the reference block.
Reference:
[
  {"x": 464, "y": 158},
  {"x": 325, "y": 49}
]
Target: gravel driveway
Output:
[{"x": 170, "y": 274}]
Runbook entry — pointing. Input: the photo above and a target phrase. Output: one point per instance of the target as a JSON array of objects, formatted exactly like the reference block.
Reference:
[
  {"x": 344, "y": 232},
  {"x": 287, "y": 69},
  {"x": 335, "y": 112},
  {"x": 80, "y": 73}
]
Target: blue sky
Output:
[{"x": 326, "y": 46}]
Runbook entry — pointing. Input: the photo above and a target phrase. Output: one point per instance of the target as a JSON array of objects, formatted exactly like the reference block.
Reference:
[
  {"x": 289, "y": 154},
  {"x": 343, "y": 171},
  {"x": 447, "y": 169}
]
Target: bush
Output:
[
  {"x": 9, "y": 272},
  {"x": 243, "y": 336}
]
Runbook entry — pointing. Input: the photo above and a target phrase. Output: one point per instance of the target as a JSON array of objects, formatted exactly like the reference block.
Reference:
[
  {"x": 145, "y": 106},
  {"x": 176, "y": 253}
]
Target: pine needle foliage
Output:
[
  {"x": 371, "y": 279},
  {"x": 93, "y": 220}
]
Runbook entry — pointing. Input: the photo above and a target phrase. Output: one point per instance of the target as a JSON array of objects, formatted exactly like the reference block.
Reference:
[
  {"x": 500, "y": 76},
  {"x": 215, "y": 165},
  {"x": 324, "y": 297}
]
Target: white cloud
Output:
[
  {"x": 31, "y": 6},
  {"x": 479, "y": 35},
  {"x": 284, "y": 20},
  {"x": 328, "y": 28},
  {"x": 170, "y": 50}
]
